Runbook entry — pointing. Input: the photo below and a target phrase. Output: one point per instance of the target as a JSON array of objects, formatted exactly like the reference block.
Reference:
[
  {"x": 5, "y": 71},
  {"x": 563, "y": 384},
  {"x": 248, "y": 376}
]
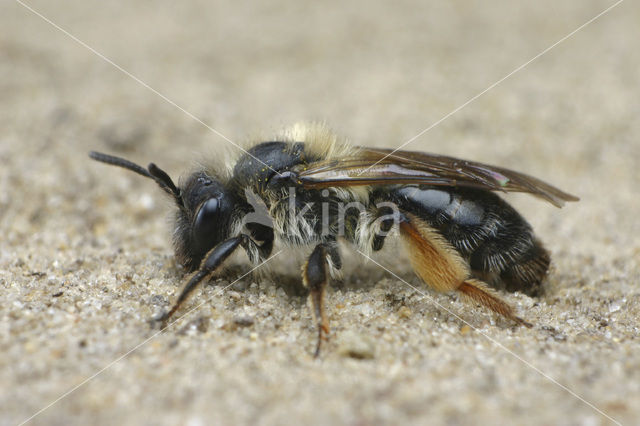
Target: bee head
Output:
[
  {"x": 203, "y": 219},
  {"x": 204, "y": 209}
]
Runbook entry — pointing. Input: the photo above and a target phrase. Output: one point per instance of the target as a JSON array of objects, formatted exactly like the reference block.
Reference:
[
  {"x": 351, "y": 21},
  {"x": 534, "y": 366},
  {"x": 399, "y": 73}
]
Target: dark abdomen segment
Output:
[{"x": 497, "y": 242}]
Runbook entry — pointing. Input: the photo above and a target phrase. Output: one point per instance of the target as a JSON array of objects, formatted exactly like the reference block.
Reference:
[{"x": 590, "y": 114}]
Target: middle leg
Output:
[{"x": 314, "y": 277}]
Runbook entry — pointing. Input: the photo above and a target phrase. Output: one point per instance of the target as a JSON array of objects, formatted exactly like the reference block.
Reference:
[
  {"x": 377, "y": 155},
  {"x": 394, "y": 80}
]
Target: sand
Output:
[{"x": 85, "y": 253}]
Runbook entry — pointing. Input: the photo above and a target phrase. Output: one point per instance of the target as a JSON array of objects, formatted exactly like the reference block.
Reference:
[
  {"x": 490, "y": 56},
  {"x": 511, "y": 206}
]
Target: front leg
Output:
[
  {"x": 211, "y": 262},
  {"x": 314, "y": 277}
]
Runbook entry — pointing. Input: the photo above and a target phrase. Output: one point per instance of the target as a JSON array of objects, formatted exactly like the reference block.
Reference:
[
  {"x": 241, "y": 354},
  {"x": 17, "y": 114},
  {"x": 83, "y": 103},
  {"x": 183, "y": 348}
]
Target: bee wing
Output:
[{"x": 374, "y": 166}]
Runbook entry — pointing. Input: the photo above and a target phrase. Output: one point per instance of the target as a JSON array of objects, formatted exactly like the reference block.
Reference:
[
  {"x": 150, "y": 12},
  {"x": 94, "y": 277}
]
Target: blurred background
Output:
[{"x": 379, "y": 74}]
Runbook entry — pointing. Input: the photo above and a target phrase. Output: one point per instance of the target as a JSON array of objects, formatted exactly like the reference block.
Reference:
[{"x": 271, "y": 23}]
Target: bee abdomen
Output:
[
  {"x": 466, "y": 222},
  {"x": 526, "y": 274},
  {"x": 496, "y": 240}
]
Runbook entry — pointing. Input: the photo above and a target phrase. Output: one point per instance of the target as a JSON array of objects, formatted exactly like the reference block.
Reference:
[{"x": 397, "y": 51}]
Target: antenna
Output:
[{"x": 152, "y": 172}]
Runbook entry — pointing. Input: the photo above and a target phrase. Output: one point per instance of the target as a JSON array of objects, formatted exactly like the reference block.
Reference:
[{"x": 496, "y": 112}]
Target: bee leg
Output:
[
  {"x": 440, "y": 265},
  {"x": 335, "y": 263},
  {"x": 211, "y": 262},
  {"x": 314, "y": 276},
  {"x": 480, "y": 292},
  {"x": 334, "y": 254}
]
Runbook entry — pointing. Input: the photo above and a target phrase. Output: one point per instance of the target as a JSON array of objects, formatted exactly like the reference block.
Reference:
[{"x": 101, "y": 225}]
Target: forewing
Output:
[{"x": 373, "y": 166}]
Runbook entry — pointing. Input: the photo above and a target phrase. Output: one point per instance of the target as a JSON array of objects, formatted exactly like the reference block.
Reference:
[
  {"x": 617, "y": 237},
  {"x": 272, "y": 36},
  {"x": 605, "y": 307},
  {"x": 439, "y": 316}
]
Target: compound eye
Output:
[{"x": 206, "y": 220}]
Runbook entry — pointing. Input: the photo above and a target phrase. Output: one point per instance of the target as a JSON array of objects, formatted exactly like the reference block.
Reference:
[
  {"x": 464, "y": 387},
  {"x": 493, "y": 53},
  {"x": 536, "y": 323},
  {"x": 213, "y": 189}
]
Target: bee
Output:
[{"x": 316, "y": 189}]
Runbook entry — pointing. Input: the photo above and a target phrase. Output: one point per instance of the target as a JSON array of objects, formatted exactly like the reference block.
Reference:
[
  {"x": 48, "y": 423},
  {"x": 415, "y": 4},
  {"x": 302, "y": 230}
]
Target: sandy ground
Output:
[{"x": 85, "y": 257}]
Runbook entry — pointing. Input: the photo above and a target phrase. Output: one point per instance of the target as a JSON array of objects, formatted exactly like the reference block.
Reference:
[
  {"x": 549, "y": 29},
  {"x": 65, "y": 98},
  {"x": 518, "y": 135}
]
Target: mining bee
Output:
[{"x": 315, "y": 189}]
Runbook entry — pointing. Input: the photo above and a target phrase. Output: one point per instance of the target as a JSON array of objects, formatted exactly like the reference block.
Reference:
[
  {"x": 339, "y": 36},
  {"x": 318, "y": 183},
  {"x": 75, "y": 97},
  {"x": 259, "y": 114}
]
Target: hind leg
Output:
[{"x": 441, "y": 267}]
